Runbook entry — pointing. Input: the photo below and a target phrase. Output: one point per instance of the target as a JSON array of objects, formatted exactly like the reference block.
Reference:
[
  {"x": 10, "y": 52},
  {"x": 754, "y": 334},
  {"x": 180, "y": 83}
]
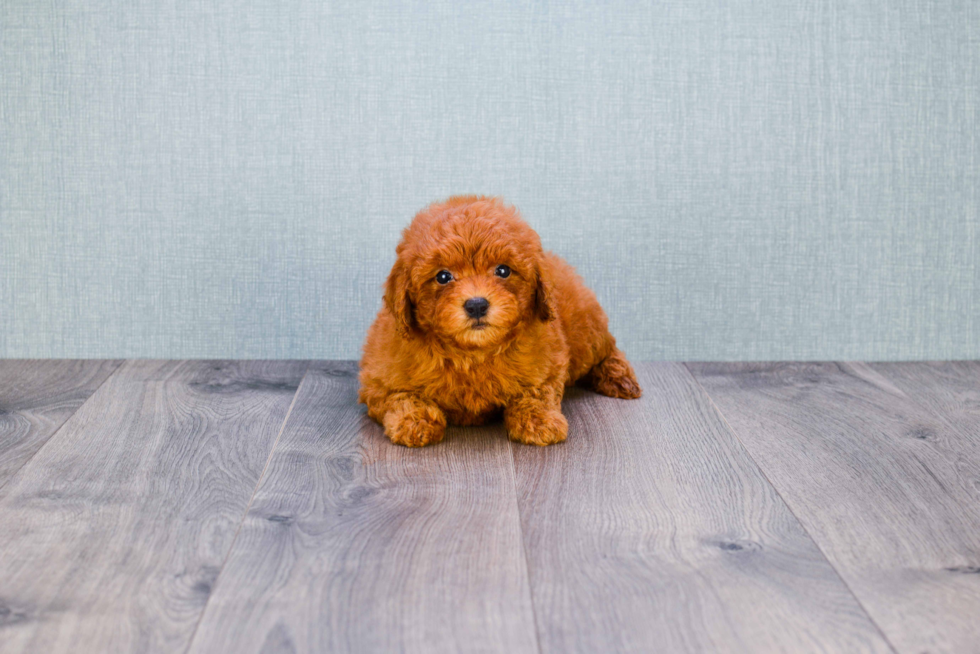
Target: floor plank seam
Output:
[
  {"x": 925, "y": 407},
  {"x": 65, "y": 422},
  {"x": 248, "y": 507},
  {"x": 789, "y": 507},
  {"x": 527, "y": 559}
]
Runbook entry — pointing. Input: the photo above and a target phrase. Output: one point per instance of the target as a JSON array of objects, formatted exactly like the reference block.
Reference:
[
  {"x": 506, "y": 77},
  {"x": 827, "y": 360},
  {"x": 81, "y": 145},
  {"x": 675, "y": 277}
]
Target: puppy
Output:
[{"x": 477, "y": 319}]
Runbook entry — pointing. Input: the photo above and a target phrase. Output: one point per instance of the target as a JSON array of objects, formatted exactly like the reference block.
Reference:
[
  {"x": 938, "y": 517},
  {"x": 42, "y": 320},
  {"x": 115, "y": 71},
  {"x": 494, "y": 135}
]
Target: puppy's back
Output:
[{"x": 582, "y": 319}]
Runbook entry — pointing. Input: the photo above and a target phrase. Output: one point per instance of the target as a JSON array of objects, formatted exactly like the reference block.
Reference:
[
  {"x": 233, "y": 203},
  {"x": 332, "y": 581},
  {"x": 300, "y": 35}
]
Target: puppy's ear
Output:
[
  {"x": 543, "y": 305},
  {"x": 398, "y": 299}
]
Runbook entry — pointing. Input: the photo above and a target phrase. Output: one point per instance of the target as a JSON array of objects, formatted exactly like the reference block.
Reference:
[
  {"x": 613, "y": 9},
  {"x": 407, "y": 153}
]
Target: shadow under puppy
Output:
[{"x": 477, "y": 318}]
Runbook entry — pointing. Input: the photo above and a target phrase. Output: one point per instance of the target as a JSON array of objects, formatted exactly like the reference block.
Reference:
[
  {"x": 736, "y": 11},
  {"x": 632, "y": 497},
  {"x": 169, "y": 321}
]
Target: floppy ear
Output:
[
  {"x": 397, "y": 298},
  {"x": 543, "y": 305}
]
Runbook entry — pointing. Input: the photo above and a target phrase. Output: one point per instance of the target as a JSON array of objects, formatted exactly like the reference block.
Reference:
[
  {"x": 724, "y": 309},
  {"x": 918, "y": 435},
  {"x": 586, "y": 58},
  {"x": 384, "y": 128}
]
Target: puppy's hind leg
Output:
[{"x": 614, "y": 377}]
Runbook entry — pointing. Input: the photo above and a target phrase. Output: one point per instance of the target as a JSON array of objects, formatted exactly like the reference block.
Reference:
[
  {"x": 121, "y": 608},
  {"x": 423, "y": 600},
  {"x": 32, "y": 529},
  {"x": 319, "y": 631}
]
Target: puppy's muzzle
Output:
[{"x": 476, "y": 307}]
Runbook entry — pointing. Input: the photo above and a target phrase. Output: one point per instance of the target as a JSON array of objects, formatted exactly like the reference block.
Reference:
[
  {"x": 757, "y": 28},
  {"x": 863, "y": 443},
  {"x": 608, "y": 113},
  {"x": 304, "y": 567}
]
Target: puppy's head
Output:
[{"x": 468, "y": 271}]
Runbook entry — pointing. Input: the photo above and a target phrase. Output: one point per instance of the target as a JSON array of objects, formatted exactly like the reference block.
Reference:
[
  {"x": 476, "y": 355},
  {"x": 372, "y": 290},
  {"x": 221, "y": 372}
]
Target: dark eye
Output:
[
  {"x": 444, "y": 277},
  {"x": 502, "y": 271}
]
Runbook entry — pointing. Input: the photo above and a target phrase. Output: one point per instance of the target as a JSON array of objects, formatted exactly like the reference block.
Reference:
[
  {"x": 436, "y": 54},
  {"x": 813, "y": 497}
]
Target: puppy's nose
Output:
[{"x": 476, "y": 307}]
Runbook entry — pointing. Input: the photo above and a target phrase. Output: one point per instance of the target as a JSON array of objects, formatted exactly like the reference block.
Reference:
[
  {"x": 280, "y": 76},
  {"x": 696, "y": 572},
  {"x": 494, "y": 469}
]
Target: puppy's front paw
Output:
[
  {"x": 415, "y": 425},
  {"x": 538, "y": 427}
]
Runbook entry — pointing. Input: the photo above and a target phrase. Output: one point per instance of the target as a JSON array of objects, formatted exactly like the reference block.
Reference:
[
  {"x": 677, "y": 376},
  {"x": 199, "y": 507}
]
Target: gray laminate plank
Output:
[
  {"x": 36, "y": 398},
  {"x": 887, "y": 489},
  {"x": 651, "y": 530},
  {"x": 255, "y": 373},
  {"x": 948, "y": 389},
  {"x": 114, "y": 532},
  {"x": 353, "y": 544}
]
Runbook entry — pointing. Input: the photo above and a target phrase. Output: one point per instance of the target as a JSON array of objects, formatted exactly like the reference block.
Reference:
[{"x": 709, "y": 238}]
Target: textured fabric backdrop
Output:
[{"x": 735, "y": 179}]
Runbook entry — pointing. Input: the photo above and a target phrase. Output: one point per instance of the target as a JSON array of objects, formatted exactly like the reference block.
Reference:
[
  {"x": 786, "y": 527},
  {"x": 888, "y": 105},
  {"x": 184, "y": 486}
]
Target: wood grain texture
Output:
[
  {"x": 353, "y": 544},
  {"x": 950, "y": 390},
  {"x": 651, "y": 529},
  {"x": 115, "y": 531},
  {"x": 36, "y": 398},
  {"x": 886, "y": 488},
  {"x": 228, "y": 374}
]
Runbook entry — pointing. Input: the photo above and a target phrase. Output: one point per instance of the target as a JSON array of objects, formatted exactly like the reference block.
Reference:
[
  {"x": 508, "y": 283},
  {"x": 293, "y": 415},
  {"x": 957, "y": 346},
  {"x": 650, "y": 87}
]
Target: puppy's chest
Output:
[{"x": 474, "y": 391}]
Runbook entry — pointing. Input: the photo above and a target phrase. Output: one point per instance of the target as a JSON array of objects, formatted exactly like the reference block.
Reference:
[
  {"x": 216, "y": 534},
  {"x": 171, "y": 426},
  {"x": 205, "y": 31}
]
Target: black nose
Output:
[{"x": 476, "y": 307}]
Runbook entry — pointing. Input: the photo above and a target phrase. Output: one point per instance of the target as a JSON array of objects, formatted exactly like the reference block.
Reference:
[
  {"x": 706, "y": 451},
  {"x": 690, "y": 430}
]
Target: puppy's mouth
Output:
[{"x": 479, "y": 325}]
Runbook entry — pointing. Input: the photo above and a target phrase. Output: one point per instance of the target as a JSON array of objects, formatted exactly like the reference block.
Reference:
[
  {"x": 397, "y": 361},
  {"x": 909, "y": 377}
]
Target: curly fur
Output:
[{"x": 427, "y": 364}]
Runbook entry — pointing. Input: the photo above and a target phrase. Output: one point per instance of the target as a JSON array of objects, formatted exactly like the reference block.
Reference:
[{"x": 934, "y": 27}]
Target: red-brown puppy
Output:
[{"x": 478, "y": 319}]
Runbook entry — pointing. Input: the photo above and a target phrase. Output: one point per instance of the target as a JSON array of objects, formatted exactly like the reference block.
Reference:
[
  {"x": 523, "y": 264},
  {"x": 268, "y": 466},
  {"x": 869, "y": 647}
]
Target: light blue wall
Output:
[{"x": 736, "y": 179}]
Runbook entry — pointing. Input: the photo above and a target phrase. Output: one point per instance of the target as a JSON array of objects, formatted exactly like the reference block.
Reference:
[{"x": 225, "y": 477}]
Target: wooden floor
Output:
[{"x": 251, "y": 506}]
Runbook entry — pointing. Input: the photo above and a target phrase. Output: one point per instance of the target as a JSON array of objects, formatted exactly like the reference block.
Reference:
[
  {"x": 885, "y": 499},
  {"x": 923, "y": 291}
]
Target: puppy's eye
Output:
[
  {"x": 444, "y": 277},
  {"x": 502, "y": 271}
]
